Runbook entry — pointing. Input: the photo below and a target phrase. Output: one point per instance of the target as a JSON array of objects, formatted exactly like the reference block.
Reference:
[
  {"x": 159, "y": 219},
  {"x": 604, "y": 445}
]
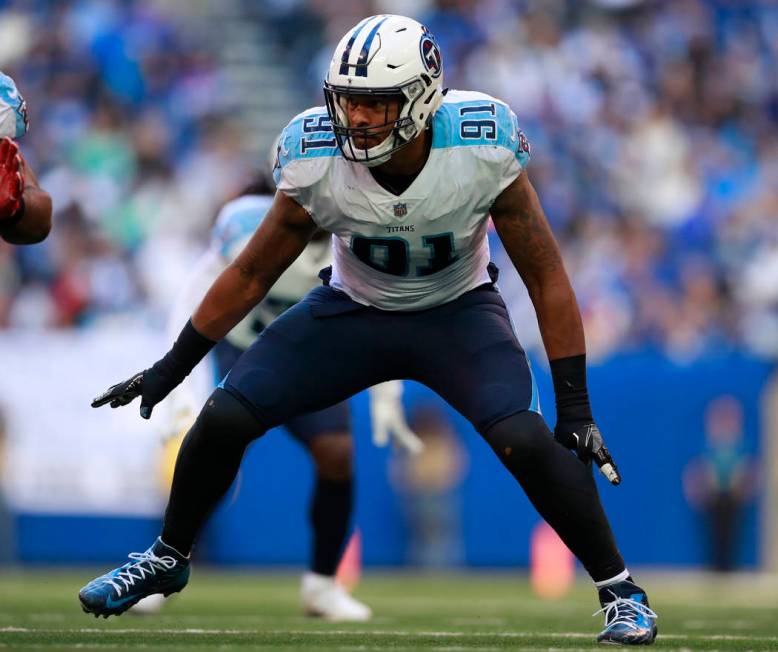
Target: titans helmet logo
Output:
[{"x": 430, "y": 56}]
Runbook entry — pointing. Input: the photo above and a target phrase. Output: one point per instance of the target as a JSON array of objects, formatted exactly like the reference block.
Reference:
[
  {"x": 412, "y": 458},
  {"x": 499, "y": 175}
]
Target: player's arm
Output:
[
  {"x": 528, "y": 240},
  {"x": 278, "y": 241},
  {"x": 25, "y": 208}
]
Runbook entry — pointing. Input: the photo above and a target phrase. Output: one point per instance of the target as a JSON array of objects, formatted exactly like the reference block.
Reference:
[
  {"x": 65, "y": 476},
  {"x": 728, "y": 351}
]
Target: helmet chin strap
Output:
[
  {"x": 375, "y": 162},
  {"x": 379, "y": 159}
]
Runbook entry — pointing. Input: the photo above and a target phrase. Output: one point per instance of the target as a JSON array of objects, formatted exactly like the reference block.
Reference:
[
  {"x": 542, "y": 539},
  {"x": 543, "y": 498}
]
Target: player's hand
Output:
[
  {"x": 586, "y": 440},
  {"x": 387, "y": 418},
  {"x": 11, "y": 178},
  {"x": 388, "y": 421},
  {"x": 152, "y": 385}
]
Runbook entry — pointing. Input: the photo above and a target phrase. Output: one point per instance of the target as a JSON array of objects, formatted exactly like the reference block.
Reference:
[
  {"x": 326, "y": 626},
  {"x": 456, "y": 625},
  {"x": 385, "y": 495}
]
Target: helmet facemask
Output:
[{"x": 398, "y": 132}]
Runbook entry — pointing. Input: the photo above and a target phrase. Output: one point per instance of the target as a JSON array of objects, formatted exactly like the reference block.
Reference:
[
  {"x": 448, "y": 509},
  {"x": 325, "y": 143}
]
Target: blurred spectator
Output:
[
  {"x": 131, "y": 129},
  {"x": 722, "y": 481},
  {"x": 430, "y": 482},
  {"x": 653, "y": 128}
]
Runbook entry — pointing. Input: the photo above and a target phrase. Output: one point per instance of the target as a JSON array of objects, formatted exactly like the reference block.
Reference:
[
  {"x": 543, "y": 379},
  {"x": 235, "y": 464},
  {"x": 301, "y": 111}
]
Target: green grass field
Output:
[{"x": 254, "y": 611}]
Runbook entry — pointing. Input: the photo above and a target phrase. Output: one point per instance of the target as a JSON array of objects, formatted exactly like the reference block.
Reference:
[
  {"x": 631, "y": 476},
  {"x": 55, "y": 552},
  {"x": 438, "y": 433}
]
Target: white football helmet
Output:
[{"x": 384, "y": 55}]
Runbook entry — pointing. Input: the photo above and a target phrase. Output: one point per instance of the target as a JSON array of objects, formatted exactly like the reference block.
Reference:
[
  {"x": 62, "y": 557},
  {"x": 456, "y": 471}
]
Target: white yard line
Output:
[{"x": 367, "y": 632}]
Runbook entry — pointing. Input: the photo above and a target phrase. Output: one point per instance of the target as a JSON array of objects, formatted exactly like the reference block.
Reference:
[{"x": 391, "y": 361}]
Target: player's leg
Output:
[
  {"x": 489, "y": 382},
  {"x": 563, "y": 491},
  {"x": 206, "y": 466},
  {"x": 327, "y": 438},
  {"x": 315, "y": 355},
  {"x": 299, "y": 364},
  {"x": 223, "y": 356}
]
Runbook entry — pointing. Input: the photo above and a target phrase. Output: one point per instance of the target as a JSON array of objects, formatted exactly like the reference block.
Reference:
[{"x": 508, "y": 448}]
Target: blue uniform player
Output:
[
  {"x": 25, "y": 208},
  {"x": 404, "y": 175}
]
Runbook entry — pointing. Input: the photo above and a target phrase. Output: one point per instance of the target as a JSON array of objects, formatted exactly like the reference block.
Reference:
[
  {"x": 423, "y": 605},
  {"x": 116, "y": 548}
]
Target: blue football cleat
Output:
[
  {"x": 161, "y": 569},
  {"x": 628, "y": 618}
]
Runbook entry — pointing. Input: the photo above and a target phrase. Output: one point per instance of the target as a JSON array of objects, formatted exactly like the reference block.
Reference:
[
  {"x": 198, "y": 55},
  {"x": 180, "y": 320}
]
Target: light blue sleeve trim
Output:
[
  {"x": 10, "y": 96},
  {"x": 460, "y": 124},
  {"x": 235, "y": 225},
  {"x": 307, "y": 136}
]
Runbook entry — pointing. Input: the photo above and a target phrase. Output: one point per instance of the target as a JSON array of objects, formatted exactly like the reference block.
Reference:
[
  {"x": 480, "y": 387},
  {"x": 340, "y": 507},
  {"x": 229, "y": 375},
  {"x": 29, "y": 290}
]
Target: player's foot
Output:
[
  {"x": 323, "y": 597},
  {"x": 628, "y": 618},
  {"x": 161, "y": 569},
  {"x": 150, "y": 605}
]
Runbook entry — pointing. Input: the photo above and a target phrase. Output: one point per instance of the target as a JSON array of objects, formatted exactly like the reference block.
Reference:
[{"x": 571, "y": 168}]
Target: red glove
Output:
[{"x": 11, "y": 178}]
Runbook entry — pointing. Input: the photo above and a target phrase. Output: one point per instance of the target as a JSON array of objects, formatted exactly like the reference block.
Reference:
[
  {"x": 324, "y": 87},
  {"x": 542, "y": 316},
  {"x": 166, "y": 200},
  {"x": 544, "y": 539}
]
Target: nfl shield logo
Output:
[{"x": 400, "y": 210}]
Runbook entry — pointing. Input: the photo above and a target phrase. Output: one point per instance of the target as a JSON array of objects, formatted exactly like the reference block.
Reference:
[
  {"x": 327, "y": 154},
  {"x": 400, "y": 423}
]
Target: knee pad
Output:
[
  {"x": 520, "y": 437},
  {"x": 224, "y": 414}
]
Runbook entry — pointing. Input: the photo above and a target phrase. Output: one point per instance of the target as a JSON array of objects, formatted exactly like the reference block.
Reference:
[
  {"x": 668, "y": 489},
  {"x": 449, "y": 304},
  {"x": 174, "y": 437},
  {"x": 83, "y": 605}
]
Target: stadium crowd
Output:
[
  {"x": 653, "y": 127},
  {"x": 133, "y": 137}
]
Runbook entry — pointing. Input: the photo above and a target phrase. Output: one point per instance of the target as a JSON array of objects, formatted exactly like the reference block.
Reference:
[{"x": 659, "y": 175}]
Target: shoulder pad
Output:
[
  {"x": 308, "y": 135},
  {"x": 306, "y": 150},
  {"x": 468, "y": 118},
  {"x": 237, "y": 220},
  {"x": 14, "y": 121}
]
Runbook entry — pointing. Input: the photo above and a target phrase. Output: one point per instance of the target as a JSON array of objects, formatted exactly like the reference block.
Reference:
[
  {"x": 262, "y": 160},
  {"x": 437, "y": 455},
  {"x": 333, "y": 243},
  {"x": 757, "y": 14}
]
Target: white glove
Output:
[
  {"x": 387, "y": 418},
  {"x": 182, "y": 410}
]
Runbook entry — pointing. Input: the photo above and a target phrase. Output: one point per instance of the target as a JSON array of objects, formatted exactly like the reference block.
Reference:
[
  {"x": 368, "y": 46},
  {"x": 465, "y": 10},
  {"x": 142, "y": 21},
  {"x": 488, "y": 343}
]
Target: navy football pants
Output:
[
  {"x": 305, "y": 427},
  {"x": 328, "y": 347}
]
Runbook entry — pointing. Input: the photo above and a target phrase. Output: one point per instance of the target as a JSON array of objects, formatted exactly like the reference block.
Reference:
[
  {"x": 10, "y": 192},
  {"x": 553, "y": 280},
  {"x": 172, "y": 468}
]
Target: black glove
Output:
[
  {"x": 575, "y": 427},
  {"x": 151, "y": 385},
  {"x": 586, "y": 441},
  {"x": 155, "y": 383}
]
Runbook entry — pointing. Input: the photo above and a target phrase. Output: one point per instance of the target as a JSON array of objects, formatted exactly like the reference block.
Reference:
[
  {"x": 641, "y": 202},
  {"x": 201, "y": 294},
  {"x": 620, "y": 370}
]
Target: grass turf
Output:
[{"x": 259, "y": 611}]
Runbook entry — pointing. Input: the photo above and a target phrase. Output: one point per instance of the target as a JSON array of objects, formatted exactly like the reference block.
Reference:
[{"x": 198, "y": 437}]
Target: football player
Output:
[
  {"x": 324, "y": 434},
  {"x": 25, "y": 208},
  {"x": 404, "y": 175}
]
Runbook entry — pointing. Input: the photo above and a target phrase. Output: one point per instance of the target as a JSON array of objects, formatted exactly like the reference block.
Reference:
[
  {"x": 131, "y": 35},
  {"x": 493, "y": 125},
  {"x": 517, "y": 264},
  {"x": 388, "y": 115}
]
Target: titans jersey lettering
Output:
[{"x": 423, "y": 247}]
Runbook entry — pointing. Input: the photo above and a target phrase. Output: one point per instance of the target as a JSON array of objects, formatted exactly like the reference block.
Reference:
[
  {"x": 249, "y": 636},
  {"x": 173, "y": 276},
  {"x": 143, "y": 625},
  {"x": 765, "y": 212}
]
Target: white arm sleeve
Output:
[
  {"x": 205, "y": 272},
  {"x": 185, "y": 401}
]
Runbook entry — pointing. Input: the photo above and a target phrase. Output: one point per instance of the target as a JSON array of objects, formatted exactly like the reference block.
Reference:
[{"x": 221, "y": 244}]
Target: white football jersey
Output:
[
  {"x": 13, "y": 109},
  {"x": 234, "y": 226},
  {"x": 426, "y": 246}
]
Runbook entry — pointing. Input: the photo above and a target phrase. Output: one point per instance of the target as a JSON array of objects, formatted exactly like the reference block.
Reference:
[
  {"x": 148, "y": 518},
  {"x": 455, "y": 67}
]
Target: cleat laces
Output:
[
  {"x": 625, "y": 611},
  {"x": 138, "y": 571}
]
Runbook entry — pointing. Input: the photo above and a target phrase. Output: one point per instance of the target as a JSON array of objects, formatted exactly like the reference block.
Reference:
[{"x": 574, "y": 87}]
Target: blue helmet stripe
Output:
[
  {"x": 362, "y": 61},
  {"x": 349, "y": 45}
]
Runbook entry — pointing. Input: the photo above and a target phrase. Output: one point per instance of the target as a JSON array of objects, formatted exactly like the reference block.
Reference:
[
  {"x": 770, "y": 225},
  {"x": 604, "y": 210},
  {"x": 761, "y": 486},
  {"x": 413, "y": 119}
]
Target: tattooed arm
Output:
[
  {"x": 526, "y": 235},
  {"x": 279, "y": 240}
]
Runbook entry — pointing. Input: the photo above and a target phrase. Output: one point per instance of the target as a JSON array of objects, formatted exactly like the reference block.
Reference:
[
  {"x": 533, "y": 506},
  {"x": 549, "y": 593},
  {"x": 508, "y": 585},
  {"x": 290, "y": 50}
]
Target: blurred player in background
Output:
[
  {"x": 405, "y": 175},
  {"x": 722, "y": 480},
  {"x": 25, "y": 209},
  {"x": 324, "y": 434}
]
